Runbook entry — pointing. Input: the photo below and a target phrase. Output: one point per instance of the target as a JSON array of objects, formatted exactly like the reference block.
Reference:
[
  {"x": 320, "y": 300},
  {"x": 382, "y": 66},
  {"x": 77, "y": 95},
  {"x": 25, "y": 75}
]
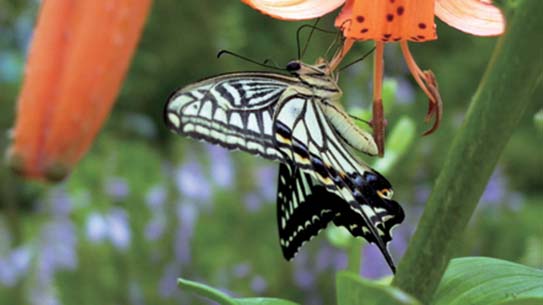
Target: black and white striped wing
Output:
[
  {"x": 303, "y": 208},
  {"x": 233, "y": 110},
  {"x": 305, "y": 136}
]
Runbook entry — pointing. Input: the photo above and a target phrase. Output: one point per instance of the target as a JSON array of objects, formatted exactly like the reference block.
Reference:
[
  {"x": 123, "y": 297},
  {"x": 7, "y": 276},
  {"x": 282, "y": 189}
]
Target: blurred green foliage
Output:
[{"x": 126, "y": 224}]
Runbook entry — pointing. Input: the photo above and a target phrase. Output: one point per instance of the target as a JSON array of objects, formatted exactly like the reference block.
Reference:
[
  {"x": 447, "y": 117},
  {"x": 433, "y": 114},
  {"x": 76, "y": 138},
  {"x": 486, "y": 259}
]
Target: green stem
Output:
[
  {"x": 512, "y": 77},
  {"x": 355, "y": 252}
]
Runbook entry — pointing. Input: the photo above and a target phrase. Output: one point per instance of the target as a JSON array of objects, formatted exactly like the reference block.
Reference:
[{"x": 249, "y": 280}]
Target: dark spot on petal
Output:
[
  {"x": 387, "y": 35},
  {"x": 420, "y": 36},
  {"x": 392, "y": 1},
  {"x": 390, "y": 17},
  {"x": 422, "y": 25},
  {"x": 360, "y": 19},
  {"x": 414, "y": 38},
  {"x": 400, "y": 10},
  {"x": 364, "y": 30},
  {"x": 397, "y": 39}
]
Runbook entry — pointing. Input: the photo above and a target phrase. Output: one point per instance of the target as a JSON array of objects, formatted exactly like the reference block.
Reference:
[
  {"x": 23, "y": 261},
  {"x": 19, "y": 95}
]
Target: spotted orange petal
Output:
[
  {"x": 477, "y": 17},
  {"x": 294, "y": 9},
  {"x": 388, "y": 20}
]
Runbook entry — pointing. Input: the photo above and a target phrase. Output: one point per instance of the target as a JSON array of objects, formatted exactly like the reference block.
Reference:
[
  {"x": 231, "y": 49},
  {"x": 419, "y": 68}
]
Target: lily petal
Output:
[
  {"x": 294, "y": 9},
  {"x": 477, "y": 17},
  {"x": 79, "y": 56}
]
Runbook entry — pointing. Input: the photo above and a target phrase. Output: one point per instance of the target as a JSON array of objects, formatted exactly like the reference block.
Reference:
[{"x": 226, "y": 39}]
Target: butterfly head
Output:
[
  {"x": 297, "y": 67},
  {"x": 317, "y": 76}
]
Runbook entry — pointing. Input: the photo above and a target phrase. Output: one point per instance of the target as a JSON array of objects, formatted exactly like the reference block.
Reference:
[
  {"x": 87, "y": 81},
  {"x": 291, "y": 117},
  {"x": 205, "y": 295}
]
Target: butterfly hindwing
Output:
[
  {"x": 298, "y": 119},
  {"x": 303, "y": 208}
]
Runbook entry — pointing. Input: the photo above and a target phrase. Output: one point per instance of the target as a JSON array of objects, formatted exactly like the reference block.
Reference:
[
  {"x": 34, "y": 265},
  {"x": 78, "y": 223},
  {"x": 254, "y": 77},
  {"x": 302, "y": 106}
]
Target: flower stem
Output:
[
  {"x": 355, "y": 256},
  {"x": 512, "y": 77}
]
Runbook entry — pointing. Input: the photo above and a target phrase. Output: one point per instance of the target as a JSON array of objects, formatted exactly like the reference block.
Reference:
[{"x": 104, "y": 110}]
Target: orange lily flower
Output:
[
  {"x": 79, "y": 55},
  {"x": 393, "y": 21}
]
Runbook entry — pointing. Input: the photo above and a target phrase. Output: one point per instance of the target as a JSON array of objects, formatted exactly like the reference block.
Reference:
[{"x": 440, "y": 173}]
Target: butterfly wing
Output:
[
  {"x": 305, "y": 136},
  {"x": 233, "y": 110},
  {"x": 303, "y": 208}
]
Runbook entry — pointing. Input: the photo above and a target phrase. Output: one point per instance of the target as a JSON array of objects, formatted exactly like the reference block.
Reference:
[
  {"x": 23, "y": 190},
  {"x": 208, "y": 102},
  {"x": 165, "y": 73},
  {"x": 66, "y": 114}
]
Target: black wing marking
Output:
[
  {"x": 305, "y": 136},
  {"x": 303, "y": 208},
  {"x": 233, "y": 110}
]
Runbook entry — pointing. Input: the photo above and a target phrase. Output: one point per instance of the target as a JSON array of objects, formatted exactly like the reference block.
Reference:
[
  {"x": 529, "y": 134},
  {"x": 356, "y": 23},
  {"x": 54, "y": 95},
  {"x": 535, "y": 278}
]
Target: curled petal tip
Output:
[
  {"x": 477, "y": 17},
  {"x": 435, "y": 105},
  {"x": 294, "y": 9}
]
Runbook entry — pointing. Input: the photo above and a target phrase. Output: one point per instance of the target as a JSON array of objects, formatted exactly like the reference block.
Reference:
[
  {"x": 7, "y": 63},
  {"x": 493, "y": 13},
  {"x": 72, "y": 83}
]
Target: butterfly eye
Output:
[
  {"x": 293, "y": 66},
  {"x": 385, "y": 193}
]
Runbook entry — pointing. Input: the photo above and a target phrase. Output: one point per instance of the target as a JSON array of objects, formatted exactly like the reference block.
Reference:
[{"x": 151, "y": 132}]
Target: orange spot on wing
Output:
[{"x": 388, "y": 20}]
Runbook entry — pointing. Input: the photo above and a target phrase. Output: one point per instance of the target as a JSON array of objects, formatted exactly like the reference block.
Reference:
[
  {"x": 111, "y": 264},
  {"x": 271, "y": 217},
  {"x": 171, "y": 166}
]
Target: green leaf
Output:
[
  {"x": 223, "y": 299},
  {"x": 263, "y": 301},
  {"x": 353, "y": 290},
  {"x": 489, "y": 281}
]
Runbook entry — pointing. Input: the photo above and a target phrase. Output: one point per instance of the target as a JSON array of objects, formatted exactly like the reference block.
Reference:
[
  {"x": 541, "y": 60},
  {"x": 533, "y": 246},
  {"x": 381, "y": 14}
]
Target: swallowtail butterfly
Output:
[{"x": 297, "y": 120}]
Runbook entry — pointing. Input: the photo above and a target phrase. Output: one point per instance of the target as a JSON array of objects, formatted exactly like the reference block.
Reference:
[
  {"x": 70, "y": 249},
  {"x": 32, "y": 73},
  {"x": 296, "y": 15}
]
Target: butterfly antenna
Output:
[
  {"x": 313, "y": 28},
  {"x": 268, "y": 62},
  {"x": 264, "y": 64},
  {"x": 334, "y": 42},
  {"x": 357, "y": 60}
]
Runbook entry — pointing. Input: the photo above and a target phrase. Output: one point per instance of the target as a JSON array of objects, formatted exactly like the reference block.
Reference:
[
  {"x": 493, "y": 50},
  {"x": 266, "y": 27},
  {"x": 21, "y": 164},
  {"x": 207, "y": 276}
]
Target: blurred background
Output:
[{"x": 146, "y": 206}]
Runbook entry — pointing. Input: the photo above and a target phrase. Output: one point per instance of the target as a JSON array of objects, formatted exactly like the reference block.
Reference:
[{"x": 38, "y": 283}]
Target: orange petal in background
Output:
[
  {"x": 79, "y": 55},
  {"x": 477, "y": 17},
  {"x": 294, "y": 9},
  {"x": 388, "y": 20}
]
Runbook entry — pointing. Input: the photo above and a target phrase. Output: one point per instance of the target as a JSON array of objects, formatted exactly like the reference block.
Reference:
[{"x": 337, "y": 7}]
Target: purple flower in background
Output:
[
  {"x": 168, "y": 282},
  {"x": 222, "y": 171},
  {"x": 156, "y": 227},
  {"x": 267, "y": 182},
  {"x": 156, "y": 197},
  {"x": 422, "y": 193},
  {"x": 119, "y": 228},
  {"x": 495, "y": 189},
  {"x": 14, "y": 266},
  {"x": 313, "y": 299},
  {"x": 303, "y": 275},
  {"x": 96, "y": 227},
  {"x": 191, "y": 182},
  {"x": 241, "y": 270},
  {"x": 43, "y": 294},
  {"x": 57, "y": 248},
  {"x": 59, "y": 201},
  {"x": 117, "y": 188},
  {"x": 187, "y": 215},
  {"x": 374, "y": 265},
  {"x": 258, "y": 284},
  {"x": 253, "y": 202},
  {"x": 404, "y": 93},
  {"x": 329, "y": 257},
  {"x": 340, "y": 260}
]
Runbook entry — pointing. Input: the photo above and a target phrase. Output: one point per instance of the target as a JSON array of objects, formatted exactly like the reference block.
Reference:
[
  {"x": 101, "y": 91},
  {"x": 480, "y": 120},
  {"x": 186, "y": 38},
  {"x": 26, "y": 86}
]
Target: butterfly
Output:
[{"x": 295, "y": 119}]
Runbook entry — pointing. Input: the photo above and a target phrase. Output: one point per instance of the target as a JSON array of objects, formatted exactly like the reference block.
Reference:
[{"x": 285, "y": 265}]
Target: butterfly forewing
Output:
[{"x": 233, "y": 110}]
